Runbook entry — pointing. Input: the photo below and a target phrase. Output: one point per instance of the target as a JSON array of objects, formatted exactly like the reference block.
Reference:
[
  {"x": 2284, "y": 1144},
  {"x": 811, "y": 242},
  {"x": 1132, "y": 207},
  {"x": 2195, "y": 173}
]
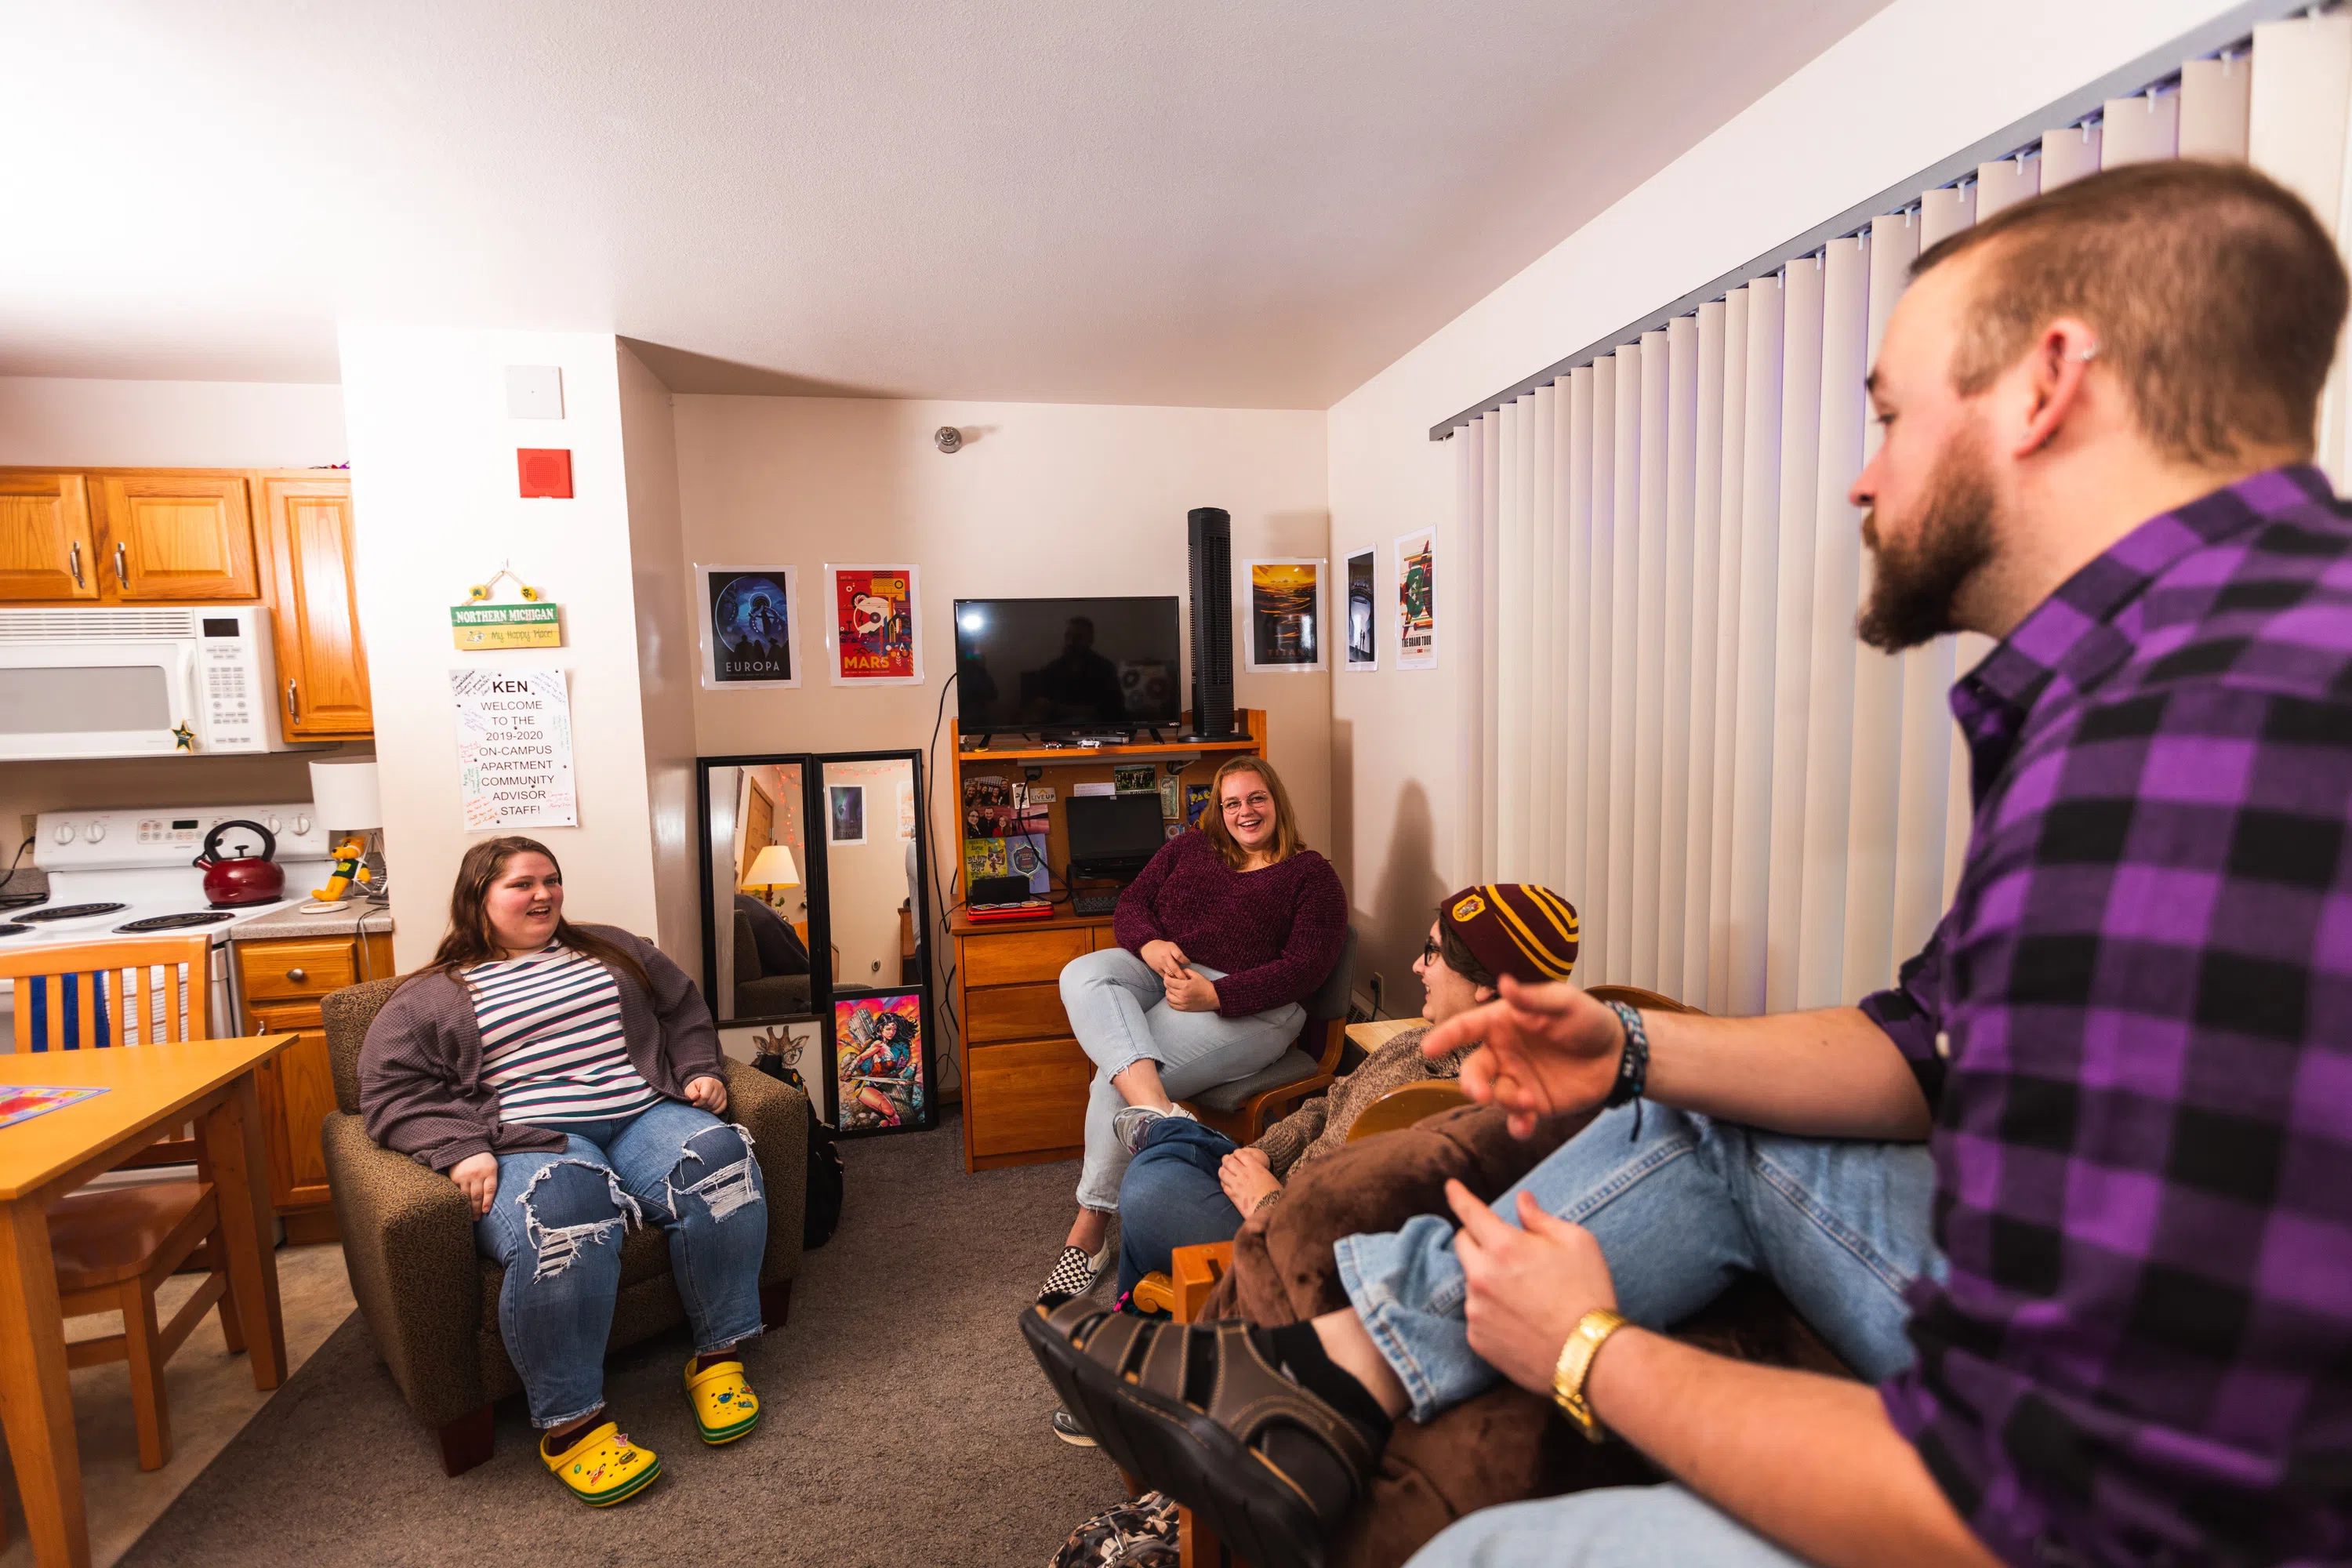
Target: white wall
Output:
[
  {"x": 1045, "y": 499},
  {"x": 662, "y": 598},
  {"x": 1917, "y": 82},
  {"x": 433, "y": 493},
  {"x": 170, "y": 424}
]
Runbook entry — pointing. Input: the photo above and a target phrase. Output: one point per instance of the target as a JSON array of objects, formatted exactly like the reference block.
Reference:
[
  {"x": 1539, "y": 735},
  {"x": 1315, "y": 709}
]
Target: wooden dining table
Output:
[{"x": 151, "y": 1090}]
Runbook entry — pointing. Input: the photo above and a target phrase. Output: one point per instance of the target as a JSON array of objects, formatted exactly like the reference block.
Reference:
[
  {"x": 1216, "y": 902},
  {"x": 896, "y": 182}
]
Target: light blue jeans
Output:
[
  {"x": 1843, "y": 1227},
  {"x": 557, "y": 1224},
  {"x": 1615, "y": 1527},
  {"x": 1118, "y": 1010}
]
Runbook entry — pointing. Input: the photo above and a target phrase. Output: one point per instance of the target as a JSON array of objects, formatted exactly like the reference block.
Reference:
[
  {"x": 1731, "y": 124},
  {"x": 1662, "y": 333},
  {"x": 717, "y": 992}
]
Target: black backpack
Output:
[{"x": 822, "y": 1217}]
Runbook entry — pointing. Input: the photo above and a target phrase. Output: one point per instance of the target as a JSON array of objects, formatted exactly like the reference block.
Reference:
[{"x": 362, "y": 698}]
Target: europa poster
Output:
[
  {"x": 1417, "y": 601},
  {"x": 751, "y": 626},
  {"x": 874, "y": 625},
  {"x": 881, "y": 1062},
  {"x": 1286, "y": 616},
  {"x": 1363, "y": 614}
]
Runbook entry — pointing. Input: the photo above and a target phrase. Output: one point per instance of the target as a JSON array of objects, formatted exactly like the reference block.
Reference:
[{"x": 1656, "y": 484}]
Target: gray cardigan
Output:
[{"x": 421, "y": 1088}]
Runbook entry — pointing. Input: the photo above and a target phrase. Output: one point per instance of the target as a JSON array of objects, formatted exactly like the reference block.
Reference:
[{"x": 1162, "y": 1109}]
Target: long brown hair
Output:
[
  {"x": 469, "y": 939},
  {"x": 1285, "y": 842}
]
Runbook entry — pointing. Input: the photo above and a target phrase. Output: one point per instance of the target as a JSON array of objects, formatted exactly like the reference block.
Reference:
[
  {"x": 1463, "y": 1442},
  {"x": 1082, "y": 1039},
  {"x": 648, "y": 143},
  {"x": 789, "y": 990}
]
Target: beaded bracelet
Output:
[{"x": 1632, "y": 1064}]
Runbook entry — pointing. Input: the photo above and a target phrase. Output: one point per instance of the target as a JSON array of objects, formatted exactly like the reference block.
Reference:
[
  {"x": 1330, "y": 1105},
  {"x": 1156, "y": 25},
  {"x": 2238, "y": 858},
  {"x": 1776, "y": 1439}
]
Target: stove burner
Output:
[
  {"x": 14, "y": 928},
  {"x": 22, "y": 900},
  {"x": 71, "y": 911},
  {"x": 175, "y": 922}
]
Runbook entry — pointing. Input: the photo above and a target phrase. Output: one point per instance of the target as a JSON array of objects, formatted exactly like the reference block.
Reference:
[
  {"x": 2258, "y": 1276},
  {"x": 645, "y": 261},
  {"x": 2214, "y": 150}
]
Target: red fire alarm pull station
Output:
[{"x": 544, "y": 471}]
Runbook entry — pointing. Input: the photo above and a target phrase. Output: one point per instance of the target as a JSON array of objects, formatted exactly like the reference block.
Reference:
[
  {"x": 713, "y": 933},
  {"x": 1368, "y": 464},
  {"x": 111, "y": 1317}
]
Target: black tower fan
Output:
[{"x": 1210, "y": 539}]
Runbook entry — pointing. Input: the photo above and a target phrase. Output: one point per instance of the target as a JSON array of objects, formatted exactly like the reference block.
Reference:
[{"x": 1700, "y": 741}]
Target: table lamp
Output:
[
  {"x": 771, "y": 868},
  {"x": 346, "y": 803}
]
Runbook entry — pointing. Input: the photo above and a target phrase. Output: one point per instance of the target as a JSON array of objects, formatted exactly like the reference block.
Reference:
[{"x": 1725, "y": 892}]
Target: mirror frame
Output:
[{"x": 816, "y": 879}]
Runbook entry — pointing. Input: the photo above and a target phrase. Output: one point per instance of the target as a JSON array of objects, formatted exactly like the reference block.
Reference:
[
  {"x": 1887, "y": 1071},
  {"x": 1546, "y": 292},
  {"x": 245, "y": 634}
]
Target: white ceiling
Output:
[{"x": 1247, "y": 203}]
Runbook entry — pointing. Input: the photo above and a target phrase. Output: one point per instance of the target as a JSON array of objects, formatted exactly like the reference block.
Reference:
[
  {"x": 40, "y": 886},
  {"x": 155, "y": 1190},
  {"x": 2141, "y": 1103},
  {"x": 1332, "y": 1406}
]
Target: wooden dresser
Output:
[{"x": 1024, "y": 1077}]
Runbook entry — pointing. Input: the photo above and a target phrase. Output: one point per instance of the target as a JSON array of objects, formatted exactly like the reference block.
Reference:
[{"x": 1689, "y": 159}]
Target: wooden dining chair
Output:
[{"x": 113, "y": 1248}]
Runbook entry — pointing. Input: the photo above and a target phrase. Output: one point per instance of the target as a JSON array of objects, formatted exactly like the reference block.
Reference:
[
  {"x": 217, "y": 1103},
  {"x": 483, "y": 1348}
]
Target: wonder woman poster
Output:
[{"x": 881, "y": 1063}]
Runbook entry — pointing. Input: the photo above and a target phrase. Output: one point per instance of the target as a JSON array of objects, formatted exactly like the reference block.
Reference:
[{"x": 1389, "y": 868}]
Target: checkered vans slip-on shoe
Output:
[{"x": 1073, "y": 1274}]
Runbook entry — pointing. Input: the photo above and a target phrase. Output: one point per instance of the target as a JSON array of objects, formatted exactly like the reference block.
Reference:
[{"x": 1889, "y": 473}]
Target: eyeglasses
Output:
[{"x": 1429, "y": 951}]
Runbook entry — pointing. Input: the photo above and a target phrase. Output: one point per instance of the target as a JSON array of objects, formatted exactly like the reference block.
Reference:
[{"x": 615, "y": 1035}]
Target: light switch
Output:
[{"x": 534, "y": 391}]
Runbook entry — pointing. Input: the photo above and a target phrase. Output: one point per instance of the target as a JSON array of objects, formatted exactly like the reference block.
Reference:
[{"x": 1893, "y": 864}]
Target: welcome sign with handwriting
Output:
[{"x": 514, "y": 749}]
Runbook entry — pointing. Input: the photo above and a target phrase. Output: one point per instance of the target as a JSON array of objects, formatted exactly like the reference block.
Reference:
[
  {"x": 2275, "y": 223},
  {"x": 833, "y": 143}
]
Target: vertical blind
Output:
[{"x": 1677, "y": 727}]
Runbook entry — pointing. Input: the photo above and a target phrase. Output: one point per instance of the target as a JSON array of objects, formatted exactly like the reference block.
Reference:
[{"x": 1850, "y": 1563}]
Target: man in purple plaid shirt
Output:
[{"x": 2075, "y": 1196}]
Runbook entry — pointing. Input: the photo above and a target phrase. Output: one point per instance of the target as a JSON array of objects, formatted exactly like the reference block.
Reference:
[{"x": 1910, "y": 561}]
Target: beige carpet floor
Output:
[
  {"x": 210, "y": 1394},
  {"x": 905, "y": 1426}
]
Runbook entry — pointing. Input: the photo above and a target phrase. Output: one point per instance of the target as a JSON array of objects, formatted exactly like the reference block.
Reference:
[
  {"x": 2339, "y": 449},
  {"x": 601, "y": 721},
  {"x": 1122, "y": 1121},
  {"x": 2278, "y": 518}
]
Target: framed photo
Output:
[
  {"x": 873, "y": 628},
  {"x": 1416, "y": 555},
  {"x": 751, "y": 626},
  {"x": 845, "y": 813},
  {"x": 881, "y": 1062},
  {"x": 1284, "y": 629},
  {"x": 792, "y": 1051},
  {"x": 1363, "y": 613}
]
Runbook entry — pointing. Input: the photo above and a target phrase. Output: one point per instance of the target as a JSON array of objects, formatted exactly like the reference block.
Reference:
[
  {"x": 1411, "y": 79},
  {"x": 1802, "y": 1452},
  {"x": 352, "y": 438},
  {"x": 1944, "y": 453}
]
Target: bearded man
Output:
[{"x": 2075, "y": 1197}]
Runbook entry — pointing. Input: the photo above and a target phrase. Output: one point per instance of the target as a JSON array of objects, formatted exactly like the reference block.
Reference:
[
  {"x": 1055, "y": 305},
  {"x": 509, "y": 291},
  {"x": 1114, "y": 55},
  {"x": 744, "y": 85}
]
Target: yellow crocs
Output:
[
  {"x": 725, "y": 1408},
  {"x": 604, "y": 1468}
]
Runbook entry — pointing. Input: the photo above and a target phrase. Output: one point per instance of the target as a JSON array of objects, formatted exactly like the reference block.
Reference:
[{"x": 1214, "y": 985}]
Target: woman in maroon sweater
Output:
[{"x": 1220, "y": 939}]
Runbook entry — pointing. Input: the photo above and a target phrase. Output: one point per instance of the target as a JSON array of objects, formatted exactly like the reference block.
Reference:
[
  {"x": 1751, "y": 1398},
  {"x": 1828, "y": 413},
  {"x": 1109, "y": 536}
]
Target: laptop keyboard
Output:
[{"x": 1094, "y": 903}]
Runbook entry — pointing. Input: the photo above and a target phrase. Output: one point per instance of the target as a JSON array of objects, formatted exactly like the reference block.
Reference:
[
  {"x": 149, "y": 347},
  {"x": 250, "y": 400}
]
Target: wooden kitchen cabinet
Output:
[
  {"x": 46, "y": 549},
  {"x": 281, "y": 981},
  {"x": 173, "y": 538},
  {"x": 323, "y": 683},
  {"x": 194, "y": 536}
]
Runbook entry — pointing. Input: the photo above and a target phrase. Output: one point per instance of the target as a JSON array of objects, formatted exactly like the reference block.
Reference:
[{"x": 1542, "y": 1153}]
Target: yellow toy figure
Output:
[{"x": 348, "y": 870}]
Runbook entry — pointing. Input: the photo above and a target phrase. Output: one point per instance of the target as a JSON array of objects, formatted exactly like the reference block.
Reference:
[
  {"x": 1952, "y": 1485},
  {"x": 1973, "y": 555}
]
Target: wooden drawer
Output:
[
  {"x": 1021, "y": 957},
  {"x": 305, "y": 966},
  {"x": 1026, "y": 1098},
  {"x": 1015, "y": 1012},
  {"x": 284, "y": 1017}
]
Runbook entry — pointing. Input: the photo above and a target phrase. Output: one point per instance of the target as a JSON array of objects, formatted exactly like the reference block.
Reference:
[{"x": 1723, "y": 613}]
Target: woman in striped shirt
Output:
[{"x": 568, "y": 1079}]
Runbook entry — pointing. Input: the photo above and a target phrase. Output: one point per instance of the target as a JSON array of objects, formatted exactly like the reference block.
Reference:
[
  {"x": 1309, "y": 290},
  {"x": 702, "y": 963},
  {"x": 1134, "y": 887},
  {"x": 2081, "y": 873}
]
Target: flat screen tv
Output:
[{"x": 1068, "y": 663}]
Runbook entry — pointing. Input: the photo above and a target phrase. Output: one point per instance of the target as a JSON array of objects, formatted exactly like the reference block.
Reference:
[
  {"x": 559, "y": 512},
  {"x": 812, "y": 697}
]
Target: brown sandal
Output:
[{"x": 1194, "y": 1409}]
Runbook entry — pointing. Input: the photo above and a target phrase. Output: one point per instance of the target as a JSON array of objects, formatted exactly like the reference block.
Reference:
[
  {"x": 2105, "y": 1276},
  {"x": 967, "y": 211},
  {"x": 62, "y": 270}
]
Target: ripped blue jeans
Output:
[{"x": 557, "y": 1226}]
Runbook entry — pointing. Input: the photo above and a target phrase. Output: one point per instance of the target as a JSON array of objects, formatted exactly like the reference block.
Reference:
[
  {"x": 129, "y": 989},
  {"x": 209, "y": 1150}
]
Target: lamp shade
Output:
[
  {"x": 773, "y": 867},
  {"x": 343, "y": 794}
]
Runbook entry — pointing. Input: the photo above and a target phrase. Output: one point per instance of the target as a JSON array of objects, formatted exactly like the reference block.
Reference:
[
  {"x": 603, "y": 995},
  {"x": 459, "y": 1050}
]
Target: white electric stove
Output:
[{"x": 128, "y": 875}]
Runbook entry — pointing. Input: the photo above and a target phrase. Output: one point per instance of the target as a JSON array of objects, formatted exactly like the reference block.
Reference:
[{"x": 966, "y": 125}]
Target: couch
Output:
[{"x": 431, "y": 1300}]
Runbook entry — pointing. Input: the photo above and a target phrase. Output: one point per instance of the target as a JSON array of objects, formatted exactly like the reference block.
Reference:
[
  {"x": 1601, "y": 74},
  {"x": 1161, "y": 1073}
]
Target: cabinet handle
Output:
[
  {"x": 293, "y": 701},
  {"x": 297, "y": 975},
  {"x": 121, "y": 575},
  {"x": 73, "y": 560}
]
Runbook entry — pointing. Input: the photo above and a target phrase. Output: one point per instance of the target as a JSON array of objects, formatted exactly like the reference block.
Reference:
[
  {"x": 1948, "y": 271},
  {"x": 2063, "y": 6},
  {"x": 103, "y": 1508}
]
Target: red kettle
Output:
[{"x": 241, "y": 879}]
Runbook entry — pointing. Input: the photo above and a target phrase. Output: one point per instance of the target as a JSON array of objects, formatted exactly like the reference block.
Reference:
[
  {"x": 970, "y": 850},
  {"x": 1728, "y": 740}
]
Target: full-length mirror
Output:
[
  {"x": 817, "y": 915},
  {"x": 756, "y": 813}
]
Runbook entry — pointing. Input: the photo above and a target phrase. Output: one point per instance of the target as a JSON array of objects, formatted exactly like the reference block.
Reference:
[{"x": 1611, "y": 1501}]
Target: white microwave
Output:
[{"x": 137, "y": 682}]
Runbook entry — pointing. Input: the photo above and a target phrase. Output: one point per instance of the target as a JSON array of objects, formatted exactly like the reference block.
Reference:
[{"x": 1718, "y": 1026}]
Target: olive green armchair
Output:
[{"x": 431, "y": 1300}]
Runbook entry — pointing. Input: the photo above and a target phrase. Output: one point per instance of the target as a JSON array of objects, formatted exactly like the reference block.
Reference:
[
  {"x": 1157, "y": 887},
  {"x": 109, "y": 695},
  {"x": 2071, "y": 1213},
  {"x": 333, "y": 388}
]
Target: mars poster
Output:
[
  {"x": 1284, "y": 630},
  {"x": 873, "y": 625}
]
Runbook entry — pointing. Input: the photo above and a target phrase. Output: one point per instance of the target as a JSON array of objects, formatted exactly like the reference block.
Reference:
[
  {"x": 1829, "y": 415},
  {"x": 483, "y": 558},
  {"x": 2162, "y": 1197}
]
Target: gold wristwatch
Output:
[{"x": 1575, "y": 1365}]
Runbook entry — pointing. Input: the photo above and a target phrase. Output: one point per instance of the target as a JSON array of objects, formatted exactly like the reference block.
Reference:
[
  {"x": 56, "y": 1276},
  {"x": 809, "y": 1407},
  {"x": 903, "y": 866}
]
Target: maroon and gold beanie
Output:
[{"x": 1516, "y": 928}]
